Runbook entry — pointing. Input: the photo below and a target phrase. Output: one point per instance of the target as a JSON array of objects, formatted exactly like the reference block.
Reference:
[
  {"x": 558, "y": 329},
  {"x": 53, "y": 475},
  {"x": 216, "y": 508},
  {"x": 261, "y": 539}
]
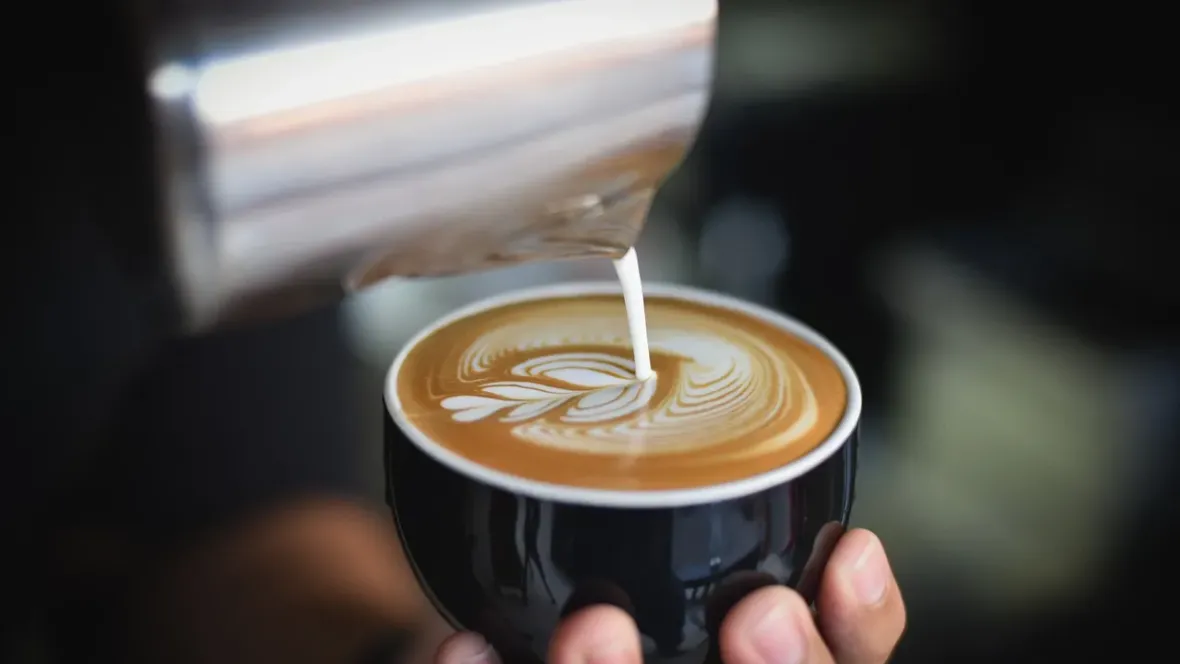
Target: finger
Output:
[
  {"x": 597, "y": 635},
  {"x": 730, "y": 592},
  {"x": 593, "y": 593},
  {"x": 772, "y": 626},
  {"x": 466, "y": 648},
  {"x": 821, "y": 552},
  {"x": 861, "y": 612}
]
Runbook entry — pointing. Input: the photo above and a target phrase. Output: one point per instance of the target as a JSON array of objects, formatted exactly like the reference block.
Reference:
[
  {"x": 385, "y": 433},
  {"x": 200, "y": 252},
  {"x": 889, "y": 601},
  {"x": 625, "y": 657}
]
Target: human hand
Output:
[{"x": 860, "y": 618}]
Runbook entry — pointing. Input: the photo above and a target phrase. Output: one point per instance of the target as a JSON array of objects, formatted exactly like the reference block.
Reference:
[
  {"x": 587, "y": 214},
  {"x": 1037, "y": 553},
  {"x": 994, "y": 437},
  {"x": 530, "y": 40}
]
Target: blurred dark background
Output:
[{"x": 970, "y": 198}]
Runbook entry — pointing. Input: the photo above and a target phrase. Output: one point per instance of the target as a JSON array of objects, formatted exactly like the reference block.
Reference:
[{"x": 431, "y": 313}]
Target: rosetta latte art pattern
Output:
[{"x": 720, "y": 385}]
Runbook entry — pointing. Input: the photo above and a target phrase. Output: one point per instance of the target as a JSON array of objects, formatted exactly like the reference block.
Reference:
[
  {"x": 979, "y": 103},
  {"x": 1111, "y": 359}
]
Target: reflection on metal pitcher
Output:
[{"x": 412, "y": 139}]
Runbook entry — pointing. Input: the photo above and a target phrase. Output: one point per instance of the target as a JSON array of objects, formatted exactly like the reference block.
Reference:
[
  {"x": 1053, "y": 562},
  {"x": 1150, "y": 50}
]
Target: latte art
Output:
[
  {"x": 546, "y": 390},
  {"x": 599, "y": 386},
  {"x": 592, "y": 403}
]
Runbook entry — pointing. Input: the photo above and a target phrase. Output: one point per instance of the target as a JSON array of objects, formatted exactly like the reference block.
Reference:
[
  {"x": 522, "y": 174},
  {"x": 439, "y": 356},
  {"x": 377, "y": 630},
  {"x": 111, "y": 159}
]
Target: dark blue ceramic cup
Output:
[{"x": 509, "y": 557}]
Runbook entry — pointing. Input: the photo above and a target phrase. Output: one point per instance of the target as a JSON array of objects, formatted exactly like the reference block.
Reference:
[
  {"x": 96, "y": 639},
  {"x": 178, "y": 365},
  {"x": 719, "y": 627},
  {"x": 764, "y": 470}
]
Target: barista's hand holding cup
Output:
[{"x": 552, "y": 503}]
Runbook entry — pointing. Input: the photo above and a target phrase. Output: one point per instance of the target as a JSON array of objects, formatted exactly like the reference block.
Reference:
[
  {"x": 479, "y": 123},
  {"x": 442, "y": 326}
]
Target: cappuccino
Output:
[{"x": 542, "y": 386}]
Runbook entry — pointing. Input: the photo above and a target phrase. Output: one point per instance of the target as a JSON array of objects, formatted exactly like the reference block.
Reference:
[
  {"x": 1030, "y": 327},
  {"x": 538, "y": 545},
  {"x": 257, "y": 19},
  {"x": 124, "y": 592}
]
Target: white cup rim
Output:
[{"x": 663, "y": 498}]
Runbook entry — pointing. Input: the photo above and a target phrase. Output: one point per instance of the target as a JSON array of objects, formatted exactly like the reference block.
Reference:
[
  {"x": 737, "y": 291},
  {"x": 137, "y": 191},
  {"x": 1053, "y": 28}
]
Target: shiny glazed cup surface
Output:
[{"x": 509, "y": 558}]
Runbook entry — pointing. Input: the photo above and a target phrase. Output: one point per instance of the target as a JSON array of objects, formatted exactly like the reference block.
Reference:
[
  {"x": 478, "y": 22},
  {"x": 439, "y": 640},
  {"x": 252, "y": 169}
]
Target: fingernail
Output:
[
  {"x": 777, "y": 637},
  {"x": 870, "y": 573},
  {"x": 609, "y": 653},
  {"x": 485, "y": 656},
  {"x": 472, "y": 649}
]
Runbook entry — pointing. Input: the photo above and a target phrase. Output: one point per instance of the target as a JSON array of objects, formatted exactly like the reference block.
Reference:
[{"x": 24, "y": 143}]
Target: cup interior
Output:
[{"x": 638, "y": 499}]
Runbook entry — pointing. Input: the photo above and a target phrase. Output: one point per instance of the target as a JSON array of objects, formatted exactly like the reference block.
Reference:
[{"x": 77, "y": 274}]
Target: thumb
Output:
[{"x": 600, "y": 634}]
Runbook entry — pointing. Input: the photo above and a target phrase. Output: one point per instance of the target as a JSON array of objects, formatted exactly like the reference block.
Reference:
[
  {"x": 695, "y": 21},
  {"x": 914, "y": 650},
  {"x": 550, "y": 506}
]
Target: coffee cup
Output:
[{"x": 530, "y": 474}]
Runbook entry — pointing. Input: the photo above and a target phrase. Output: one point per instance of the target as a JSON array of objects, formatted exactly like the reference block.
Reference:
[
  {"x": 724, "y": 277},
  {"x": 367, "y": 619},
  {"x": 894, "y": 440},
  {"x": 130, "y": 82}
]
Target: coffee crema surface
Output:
[{"x": 545, "y": 390}]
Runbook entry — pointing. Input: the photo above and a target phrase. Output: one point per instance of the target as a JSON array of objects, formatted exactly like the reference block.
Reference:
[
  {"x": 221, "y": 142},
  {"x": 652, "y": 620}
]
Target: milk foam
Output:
[
  {"x": 627, "y": 268},
  {"x": 727, "y": 385}
]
